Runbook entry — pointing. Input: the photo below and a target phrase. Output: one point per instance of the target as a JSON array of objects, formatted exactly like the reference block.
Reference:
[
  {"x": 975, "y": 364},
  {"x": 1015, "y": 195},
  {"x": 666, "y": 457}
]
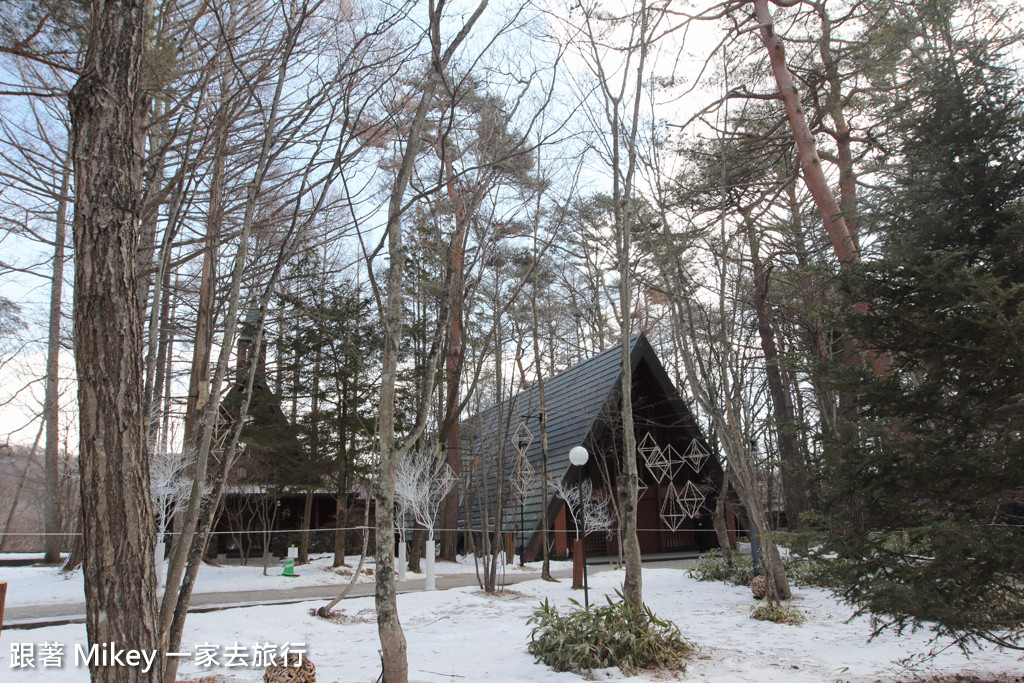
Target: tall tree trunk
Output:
[
  {"x": 794, "y": 476},
  {"x": 545, "y": 572},
  {"x": 843, "y": 244},
  {"x": 187, "y": 546},
  {"x": 718, "y": 520},
  {"x": 389, "y": 628},
  {"x": 453, "y": 369},
  {"x": 307, "y": 518},
  {"x": 51, "y": 518},
  {"x": 159, "y": 406},
  {"x": 622, "y": 196},
  {"x": 108, "y": 106},
  {"x": 199, "y": 375},
  {"x": 842, "y": 133},
  {"x": 341, "y": 505},
  {"x": 810, "y": 163}
]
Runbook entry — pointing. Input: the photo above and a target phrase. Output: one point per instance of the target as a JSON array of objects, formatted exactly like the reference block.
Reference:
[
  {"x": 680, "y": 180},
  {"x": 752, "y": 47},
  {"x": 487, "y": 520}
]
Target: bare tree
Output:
[
  {"x": 390, "y": 301},
  {"x": 593, "y": 514},
  {"x": 169, "y": 486},
  {"x": 621, "y": 89},
  {"x": 108, "y": 105}
]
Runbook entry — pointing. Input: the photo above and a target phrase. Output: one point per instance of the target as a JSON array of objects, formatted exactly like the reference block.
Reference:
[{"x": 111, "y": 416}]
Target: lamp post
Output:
[{"x": 578, "y": 456}]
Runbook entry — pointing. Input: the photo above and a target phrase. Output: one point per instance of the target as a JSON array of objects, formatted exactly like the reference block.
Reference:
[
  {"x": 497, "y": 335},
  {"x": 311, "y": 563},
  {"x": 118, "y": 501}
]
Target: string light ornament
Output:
[
  {"x": 695, "y": 456},
  {"x": 524, "y": 479},
  {"x": 680, "y": 505},
  {"x": 672, "y": 512},
  {"x": 691, "y": 498},
  {"x": 446, "y": 481},
  {"x": 522, "y": 439},
  {"x": 655, "y": 458}
]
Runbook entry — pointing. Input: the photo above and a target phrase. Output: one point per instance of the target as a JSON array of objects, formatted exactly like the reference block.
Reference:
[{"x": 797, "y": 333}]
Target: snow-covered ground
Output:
[{"x": 465, "y": 635}]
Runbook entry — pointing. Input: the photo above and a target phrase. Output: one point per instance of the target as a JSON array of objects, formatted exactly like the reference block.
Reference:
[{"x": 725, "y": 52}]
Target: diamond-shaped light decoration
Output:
[
  {"x": 674, "y": 463},
  {"x": 446, "y": 481},
  {"x": 654, "y": 458},
  {"x": 672, "y": 513},
  {"x": 524, "y": 479},
  {"x": 695, "y": 456},
  {"x": 690, "y": 499},
  {"x": 522, "y": 439}
]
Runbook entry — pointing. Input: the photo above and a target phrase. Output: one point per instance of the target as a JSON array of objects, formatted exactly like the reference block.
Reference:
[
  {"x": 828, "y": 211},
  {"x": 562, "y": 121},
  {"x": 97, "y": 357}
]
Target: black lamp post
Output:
[{"x": 578, "y": 456}]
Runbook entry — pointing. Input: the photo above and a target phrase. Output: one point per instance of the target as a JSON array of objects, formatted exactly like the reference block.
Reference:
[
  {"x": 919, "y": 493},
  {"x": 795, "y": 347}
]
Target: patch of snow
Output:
[{"x": 466, "y": 635}]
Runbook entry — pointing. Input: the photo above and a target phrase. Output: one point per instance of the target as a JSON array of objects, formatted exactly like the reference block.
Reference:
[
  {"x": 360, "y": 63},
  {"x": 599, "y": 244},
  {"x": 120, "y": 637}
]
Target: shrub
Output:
[
  {"x": 805, "y": 571},
  {"x": 616, "y": 634},
  {"x": 780, "y": 614},
  {"x": 801, "y": 571},
  {"x": 713, "y": 567}
]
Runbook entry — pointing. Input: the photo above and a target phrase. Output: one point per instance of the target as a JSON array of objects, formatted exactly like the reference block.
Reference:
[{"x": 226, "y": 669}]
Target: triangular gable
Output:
[{"x": 578, "y": 400}]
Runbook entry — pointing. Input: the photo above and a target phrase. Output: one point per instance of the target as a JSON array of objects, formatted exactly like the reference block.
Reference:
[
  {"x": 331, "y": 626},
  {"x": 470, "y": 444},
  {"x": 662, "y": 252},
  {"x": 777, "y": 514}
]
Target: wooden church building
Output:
[{"x": 679, "y": 477}]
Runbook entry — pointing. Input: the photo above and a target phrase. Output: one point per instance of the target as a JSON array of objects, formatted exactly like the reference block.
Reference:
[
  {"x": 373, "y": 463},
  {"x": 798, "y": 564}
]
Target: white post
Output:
[
  {"x": 430, "y": 566},
  {"x": 401, "y": 561},
  {"x": 160, "y": 575}
]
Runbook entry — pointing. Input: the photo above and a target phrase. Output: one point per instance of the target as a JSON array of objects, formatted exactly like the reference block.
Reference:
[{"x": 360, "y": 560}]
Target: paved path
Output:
[{"x": 37, "y": 616}]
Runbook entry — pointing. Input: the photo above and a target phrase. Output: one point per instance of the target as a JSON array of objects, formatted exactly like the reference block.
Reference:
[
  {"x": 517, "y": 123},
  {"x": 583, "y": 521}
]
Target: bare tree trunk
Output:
[
  {"x": 197, "y": 519},
  {"x": 199, "y": 376},
  {"x": 159, "y": 405},
  {"x": 718, "y": 521},
  {"x": 545, "y": 572},
  {"x": 843, "y": 243},
  {"x": 74, "y": 560},
  {"x": 307, "y": 518},
  {"x": 108, "y": 106},
  {"x": 794, "y": 477},
  {"x": 453, "y": 368},
  {"x": 51, "y": 518},
  {"x": 622, "y": 198},
  {"x": 810, "y": 162},
  {"x": 21, "y": 485},
  {"x": 389, "y": 628},
  {"x": 325, "y": 611}
]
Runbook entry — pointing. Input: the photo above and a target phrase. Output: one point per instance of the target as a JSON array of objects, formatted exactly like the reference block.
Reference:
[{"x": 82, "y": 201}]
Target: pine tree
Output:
[{"x": 939, "y": 464}]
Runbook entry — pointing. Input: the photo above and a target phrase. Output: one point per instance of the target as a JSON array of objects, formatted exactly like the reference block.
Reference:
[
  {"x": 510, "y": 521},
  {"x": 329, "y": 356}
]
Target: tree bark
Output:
[
  {"x": 307, "y": 518},
  {"x": 718, "y": 521},
  {"x": 810, "y": 162},
  {"x": 107, "y": 105}
]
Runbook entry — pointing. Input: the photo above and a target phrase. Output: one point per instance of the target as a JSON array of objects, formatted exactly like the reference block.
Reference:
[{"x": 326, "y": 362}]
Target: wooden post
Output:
[
  {"x": 577, "y": 563},
  {"x": 3, "y": 596},
  {"x": 561, "y": 534}
]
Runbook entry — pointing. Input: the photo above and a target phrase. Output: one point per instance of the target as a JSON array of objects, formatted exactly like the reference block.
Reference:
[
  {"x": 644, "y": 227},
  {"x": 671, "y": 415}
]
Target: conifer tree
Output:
[{"x": 938, "y": 469}]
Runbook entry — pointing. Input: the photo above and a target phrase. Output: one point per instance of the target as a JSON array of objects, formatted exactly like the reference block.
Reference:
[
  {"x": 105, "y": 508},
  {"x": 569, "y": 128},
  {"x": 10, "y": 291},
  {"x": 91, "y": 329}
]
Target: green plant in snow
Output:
[
  {"x": 780, "y": 614},
  {"x": 616, "y": 634},
  {"x": 801, "y": 571},
  {"x": 713, "y": 567}
]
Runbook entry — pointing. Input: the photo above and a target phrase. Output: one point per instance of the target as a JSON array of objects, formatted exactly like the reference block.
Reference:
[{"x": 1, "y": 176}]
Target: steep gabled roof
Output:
[{"x": 578, "y": 400}]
